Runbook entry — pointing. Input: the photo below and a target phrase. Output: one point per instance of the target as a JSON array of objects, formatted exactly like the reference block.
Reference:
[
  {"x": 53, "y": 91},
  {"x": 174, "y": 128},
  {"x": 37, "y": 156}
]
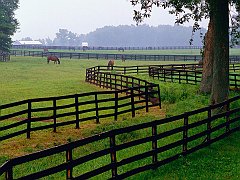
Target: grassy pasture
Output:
[{"x": 27, "y": 77}]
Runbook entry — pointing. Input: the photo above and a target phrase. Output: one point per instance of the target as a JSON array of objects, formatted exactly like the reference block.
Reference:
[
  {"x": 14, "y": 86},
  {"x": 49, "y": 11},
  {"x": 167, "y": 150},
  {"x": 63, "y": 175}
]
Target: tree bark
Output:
[
  {"x": 220, "y": 84},
  {"x": 208, "y": 53}
]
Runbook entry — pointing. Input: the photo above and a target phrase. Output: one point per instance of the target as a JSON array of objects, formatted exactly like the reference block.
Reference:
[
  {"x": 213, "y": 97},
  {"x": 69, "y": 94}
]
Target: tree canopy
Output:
[
  {"x": 8, "y": 23},
  {"x": 186, "y": 10},
  {"x": 218, "y": 12}
]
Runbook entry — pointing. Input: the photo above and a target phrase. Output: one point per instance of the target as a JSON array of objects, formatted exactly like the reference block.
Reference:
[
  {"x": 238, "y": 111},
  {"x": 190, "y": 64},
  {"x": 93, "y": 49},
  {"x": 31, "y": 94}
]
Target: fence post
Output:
[
  {"x": 9, "y": 173},
  {"x": 111, "y": 82},
  {"x": 185, "y": 133},
  {"x": 235, "y": 80},
  {"x": 209, "y": 123},
  {"x": 159, "y": 97},
  {"x": 54, "y": 115},
  {"x": 195, "y": 73},
  {"x": 104, "y": 80},
  {"x": 68, "y": 160},
  {"x": 77, "y": 111},
  {"x": 228, "y": 117},
  {"x": 132, "y": 103},
  {"x": 115, "y": 79},
  {"x": 154, "y": 144},
  {"x": 113, "y": 155},
  {"x": 179, "y": 77},
  {"x": 29, "y": 118},
  {"x": 116, "y": 106},
  {"x": 139, "y": 90},
  {"x": 100, "y": 81},
  {"x": 172, "y": 72},
  {"x": 146, "y": 97},
  {"x": 96, "y": 105},
  {"x": 164, "y": 75}
]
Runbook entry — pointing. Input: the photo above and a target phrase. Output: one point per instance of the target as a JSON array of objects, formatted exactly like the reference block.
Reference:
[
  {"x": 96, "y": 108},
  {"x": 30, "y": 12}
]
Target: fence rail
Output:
[
  {"x": 181, "y": 73},
  {"x": 190, "y": 136},
  {"x": 190, "y": 76},
  {"x": 119, "y": 56},
  {"x": 4, "y": 57},
  {"x": 130, "y": 95},
  {"x": 105, "y": 48},
  {"x": 144, "y": 69}
]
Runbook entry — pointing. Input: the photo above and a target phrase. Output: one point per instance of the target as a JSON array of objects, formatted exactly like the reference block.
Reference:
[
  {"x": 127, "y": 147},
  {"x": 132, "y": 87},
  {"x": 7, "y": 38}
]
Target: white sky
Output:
[{"x": 43, "y": 18}]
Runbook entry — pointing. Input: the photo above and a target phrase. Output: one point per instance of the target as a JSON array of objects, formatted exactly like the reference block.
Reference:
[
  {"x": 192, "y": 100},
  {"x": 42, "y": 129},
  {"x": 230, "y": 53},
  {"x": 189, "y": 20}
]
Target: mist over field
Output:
[{"x": 128, "y": 35}]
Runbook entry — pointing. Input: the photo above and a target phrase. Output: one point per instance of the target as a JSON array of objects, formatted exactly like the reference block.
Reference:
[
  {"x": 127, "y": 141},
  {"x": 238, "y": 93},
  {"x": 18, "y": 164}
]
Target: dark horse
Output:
[
  {"x": 55, "y": 59},
  {"x": 110, "y": 64}
]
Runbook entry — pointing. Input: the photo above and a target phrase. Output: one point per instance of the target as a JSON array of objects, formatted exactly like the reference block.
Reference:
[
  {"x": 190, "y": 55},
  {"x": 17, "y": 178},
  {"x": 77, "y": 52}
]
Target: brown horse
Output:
[
  {"x": 110, "y": 64},
  {"x": 55, "y": 59}
]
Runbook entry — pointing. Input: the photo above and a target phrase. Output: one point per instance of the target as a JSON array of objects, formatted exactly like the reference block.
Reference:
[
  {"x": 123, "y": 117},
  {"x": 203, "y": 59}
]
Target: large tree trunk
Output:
[
  {"x": 220, "y": 85},
  {"x": 208, "y": 53}
]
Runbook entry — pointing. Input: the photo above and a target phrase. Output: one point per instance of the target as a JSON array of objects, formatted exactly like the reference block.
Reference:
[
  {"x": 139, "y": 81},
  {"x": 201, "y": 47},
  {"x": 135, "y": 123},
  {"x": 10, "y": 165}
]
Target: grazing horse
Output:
[
  {"x": 55, "y": 59},
  {"x": 110, "y": 63},
  {"x": 121, "y": 49}
]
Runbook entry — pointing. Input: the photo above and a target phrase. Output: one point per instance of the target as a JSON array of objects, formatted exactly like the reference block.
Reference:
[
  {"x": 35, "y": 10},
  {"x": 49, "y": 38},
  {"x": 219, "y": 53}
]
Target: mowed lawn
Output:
[{"x": 27, "y": 77}]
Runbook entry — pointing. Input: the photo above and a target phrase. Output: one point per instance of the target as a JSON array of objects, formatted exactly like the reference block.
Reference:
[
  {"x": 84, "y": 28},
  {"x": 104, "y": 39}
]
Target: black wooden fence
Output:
[
  {"x": 181, "y": 73},
  {"x": 190, "y": 135},
  {"x": 75, "y": 55},
  {"x": 105, "y": 48},
  {"x": 119, "y": 56},
  {"x": 173, "y": 74},
  {"x": 144, "y": 69},
  {"x": 130, "y": 95},
  {"x": 4, "y": 57}
]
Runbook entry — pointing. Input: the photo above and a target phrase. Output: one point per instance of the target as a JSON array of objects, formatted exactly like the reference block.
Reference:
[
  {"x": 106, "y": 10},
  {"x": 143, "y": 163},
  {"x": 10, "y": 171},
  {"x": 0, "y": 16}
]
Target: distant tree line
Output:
[{"x": 125, "y": 35}]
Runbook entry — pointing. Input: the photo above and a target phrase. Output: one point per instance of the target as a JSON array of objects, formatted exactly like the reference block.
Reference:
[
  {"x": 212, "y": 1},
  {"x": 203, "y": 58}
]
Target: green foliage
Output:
[
  {"x": 8, "y": 23},
  {"x": 199, "y": 10}
]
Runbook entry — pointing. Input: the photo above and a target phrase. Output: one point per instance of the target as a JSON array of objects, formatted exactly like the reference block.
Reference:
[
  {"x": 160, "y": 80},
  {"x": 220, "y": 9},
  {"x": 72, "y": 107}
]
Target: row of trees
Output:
[
  {"x": 125, "y": 35},
  {"x": 63, "y": 38}
]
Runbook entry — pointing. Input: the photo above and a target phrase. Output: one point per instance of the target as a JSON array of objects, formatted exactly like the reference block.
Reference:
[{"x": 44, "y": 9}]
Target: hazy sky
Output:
[{"x": 43, "y": 18}]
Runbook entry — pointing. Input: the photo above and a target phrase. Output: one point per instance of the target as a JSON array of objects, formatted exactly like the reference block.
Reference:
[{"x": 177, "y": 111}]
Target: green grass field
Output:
[{"x": 27, "y": 77}]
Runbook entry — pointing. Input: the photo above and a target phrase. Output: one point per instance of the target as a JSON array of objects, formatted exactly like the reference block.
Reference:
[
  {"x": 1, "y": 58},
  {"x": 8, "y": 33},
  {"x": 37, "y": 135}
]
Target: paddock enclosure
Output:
[{"x": 123, "y": 93}]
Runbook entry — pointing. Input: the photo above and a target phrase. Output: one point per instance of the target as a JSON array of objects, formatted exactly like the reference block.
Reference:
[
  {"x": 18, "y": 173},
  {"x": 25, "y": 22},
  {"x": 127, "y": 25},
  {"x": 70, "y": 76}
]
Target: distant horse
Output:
[
  {"x": 55, "y": 59},
  {"x": 121, "y": 49},
  {"x": 110, "y": 64}
]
